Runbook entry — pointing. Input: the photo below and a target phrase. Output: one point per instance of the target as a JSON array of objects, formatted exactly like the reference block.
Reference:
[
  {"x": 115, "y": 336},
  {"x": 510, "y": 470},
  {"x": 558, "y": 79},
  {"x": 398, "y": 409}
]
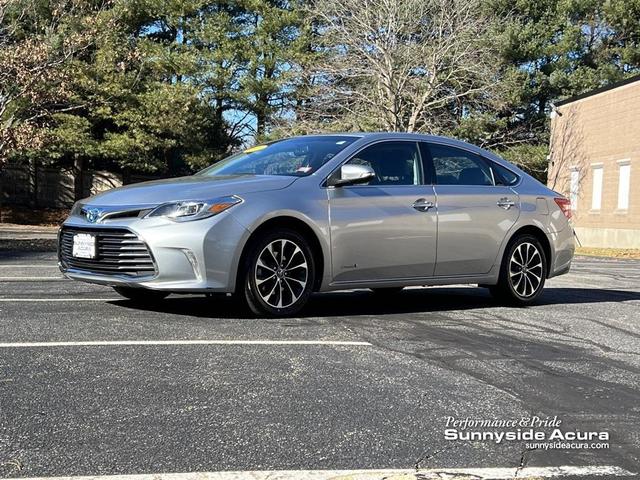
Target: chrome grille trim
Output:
[
  {"x": 119, "y": 252},
  {"x": 112, "y": 213}
]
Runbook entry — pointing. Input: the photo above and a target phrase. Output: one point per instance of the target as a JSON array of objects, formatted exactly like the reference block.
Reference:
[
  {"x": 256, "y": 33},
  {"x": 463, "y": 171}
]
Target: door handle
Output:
[
  {"x": 505, "y": 203},
  {"x": 422, "y": 205}
]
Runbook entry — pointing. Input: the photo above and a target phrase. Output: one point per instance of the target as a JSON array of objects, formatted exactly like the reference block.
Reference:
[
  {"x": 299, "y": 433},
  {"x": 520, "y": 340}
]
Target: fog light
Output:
[{"x": 194, "y": 263}]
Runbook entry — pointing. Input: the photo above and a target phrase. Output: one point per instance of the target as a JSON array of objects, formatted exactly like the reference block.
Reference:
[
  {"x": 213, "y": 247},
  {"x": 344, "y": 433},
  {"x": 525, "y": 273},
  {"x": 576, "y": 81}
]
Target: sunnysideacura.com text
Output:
[{"x": 537, "y": 433}]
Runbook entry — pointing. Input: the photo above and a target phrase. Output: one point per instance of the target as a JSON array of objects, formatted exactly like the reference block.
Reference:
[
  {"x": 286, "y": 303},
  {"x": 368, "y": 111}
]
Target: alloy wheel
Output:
[
  {"x": 281, "y": 273},
  {"x": 526, "y": 269}
]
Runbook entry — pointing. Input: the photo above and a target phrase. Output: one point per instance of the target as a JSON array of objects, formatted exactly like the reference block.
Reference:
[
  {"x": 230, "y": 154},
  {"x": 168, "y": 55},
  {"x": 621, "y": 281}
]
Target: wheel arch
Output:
[
  {"x": 539, "y": 234},
  {"x": 293, "y": 223}
]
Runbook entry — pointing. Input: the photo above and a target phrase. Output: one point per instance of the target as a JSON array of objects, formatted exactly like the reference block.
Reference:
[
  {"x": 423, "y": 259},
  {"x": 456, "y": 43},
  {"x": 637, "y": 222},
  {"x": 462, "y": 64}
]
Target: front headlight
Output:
[{"x": 190, "y": 210}]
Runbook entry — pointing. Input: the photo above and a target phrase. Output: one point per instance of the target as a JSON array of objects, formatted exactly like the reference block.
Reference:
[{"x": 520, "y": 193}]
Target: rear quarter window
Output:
[{"x": 504, "y": 176}]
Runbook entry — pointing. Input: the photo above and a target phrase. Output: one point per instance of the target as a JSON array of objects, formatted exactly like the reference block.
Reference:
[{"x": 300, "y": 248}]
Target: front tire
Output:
[
  {"x": 142, "y": 295},
  {"x": 522, "y": 273},
  {"x": 279, "y": 274}
]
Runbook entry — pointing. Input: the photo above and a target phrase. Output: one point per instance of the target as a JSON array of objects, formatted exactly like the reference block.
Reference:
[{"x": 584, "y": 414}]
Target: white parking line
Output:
[
  {"x": 31, "y": 279},
  {"x": 450, "y": 473},
  {"x": 106, "y": 343},
  {"x": 10, "y": 300},
  {"x": 16, "y": 265}
]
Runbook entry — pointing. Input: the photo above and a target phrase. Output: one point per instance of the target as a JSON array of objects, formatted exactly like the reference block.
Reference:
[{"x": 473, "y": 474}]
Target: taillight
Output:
[{"x": 565, "y": 206}]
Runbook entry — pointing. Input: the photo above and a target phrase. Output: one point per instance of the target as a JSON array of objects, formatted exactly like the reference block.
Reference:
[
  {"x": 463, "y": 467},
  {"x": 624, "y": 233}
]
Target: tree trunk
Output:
[
  {"x": 33, "y": 183},
  {"x": 261, "y": 119},
  {"x": 78, "y": 174},
  {"x": 219, "y": 109}
]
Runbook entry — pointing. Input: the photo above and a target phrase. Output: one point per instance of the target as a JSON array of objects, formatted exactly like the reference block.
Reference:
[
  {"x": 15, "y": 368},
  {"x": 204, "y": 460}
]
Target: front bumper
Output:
[{"x": 196, "y": 256}]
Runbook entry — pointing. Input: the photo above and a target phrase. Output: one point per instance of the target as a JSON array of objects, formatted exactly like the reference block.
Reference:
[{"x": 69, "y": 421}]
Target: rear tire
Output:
[
  {"x": 523, "y": 272},
  {"x": 142, "y": 295},
  {"x": 279, "y": 274}
]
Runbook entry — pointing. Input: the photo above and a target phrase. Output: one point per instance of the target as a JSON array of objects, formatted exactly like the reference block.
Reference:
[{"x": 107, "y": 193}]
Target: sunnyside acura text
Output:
[{"x": 277, "y": 222}]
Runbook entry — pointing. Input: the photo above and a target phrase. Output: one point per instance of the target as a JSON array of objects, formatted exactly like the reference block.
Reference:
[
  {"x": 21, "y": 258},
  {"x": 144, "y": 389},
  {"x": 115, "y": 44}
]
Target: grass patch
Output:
[{"x": 633, "y": 253}]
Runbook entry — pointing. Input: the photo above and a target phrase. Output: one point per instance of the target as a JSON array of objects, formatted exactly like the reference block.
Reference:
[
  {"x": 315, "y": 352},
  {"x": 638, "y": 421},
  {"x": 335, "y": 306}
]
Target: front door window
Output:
[{"x": 395, "y": 163}]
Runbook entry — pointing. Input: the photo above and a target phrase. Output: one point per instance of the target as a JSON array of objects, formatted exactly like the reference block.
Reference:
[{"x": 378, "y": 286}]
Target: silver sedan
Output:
[{"x": 277, "y": 222}]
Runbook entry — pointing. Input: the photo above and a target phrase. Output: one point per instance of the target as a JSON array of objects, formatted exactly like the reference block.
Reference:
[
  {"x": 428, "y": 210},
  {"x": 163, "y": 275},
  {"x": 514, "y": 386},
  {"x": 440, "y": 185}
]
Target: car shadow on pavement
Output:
[{"x": 364, "y": 302}]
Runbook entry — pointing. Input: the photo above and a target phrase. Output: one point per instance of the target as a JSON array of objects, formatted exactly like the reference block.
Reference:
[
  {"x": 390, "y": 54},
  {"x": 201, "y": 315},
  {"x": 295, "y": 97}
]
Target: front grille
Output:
[{"x": 118, "y": 252}]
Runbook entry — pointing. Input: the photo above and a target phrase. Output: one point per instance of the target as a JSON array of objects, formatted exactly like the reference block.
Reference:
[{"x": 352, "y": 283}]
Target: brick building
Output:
[{"x": 595, "y": 161}]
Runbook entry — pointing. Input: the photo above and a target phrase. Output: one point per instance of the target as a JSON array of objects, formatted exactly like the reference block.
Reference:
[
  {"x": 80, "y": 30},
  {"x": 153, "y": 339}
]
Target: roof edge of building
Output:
[{"x": 598, "y": 90}]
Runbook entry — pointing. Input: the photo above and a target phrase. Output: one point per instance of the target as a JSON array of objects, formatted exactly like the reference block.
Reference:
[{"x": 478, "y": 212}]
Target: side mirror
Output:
[{"x": 352, "y": 175}]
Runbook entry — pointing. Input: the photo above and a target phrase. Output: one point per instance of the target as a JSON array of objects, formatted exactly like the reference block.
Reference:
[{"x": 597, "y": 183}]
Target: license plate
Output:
[{"x": 84, "y": 245}]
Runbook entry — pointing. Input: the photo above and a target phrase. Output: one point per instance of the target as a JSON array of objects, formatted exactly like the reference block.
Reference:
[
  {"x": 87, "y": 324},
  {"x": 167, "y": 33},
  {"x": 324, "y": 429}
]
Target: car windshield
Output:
[{"x": 298, "y": 156}]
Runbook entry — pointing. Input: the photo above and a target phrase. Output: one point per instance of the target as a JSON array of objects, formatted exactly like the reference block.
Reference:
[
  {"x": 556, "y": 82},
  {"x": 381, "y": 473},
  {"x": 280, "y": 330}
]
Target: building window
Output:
[
  {"x": 573, "y": 188},
  {"x": 596, "y": 191},
  {"x": 624, "y": 180}
]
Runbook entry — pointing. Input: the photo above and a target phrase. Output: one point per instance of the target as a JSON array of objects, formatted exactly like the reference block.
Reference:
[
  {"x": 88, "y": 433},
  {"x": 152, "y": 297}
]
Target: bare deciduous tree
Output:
[
  {"x": 395, "y": 64},
  {"x": 33, "y": 51},
  {"x": 567, "y": 153}
]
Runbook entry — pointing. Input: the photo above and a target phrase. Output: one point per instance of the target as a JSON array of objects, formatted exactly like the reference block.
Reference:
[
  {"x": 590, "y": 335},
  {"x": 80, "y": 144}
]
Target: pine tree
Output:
[
  {"x": 550, "y": 49},
  {"x": 275, "y": 46}
]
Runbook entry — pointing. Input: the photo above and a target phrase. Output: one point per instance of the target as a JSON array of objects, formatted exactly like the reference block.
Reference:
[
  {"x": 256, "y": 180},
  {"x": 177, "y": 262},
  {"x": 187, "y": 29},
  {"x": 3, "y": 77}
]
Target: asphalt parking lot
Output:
[{"x": 357, "y": 382}]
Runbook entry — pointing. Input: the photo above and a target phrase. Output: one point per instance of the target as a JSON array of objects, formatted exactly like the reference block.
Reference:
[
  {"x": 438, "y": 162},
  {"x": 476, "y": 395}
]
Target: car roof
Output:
[
  {"x": 391, "y": 135},
  {"x": 405, "y": 135}
]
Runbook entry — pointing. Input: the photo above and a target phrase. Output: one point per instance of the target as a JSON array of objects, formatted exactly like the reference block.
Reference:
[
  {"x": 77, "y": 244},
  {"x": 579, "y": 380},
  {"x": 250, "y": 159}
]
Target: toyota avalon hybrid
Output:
[{"x": 277, "y": 222}]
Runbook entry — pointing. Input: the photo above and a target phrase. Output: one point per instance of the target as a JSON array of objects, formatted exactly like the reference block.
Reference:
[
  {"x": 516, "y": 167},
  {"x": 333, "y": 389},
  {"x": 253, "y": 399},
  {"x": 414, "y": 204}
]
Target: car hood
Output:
[{"x": 188, "y": 188}]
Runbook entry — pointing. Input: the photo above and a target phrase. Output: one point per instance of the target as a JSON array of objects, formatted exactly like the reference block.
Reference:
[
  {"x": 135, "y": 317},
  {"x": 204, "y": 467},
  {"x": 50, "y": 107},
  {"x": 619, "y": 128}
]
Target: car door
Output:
[
  {"x": 385, "y": 229},
  {"x": 474, "y": 213}
]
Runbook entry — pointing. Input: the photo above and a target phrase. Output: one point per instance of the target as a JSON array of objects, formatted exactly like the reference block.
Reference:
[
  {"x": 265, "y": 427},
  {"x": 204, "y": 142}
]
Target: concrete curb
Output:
[{"x": 9, "y": 231}]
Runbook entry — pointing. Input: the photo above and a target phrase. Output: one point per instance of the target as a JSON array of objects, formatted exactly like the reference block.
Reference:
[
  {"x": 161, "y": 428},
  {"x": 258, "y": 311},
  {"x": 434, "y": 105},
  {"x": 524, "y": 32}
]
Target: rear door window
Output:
[{"x": 454, "y": 166}]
